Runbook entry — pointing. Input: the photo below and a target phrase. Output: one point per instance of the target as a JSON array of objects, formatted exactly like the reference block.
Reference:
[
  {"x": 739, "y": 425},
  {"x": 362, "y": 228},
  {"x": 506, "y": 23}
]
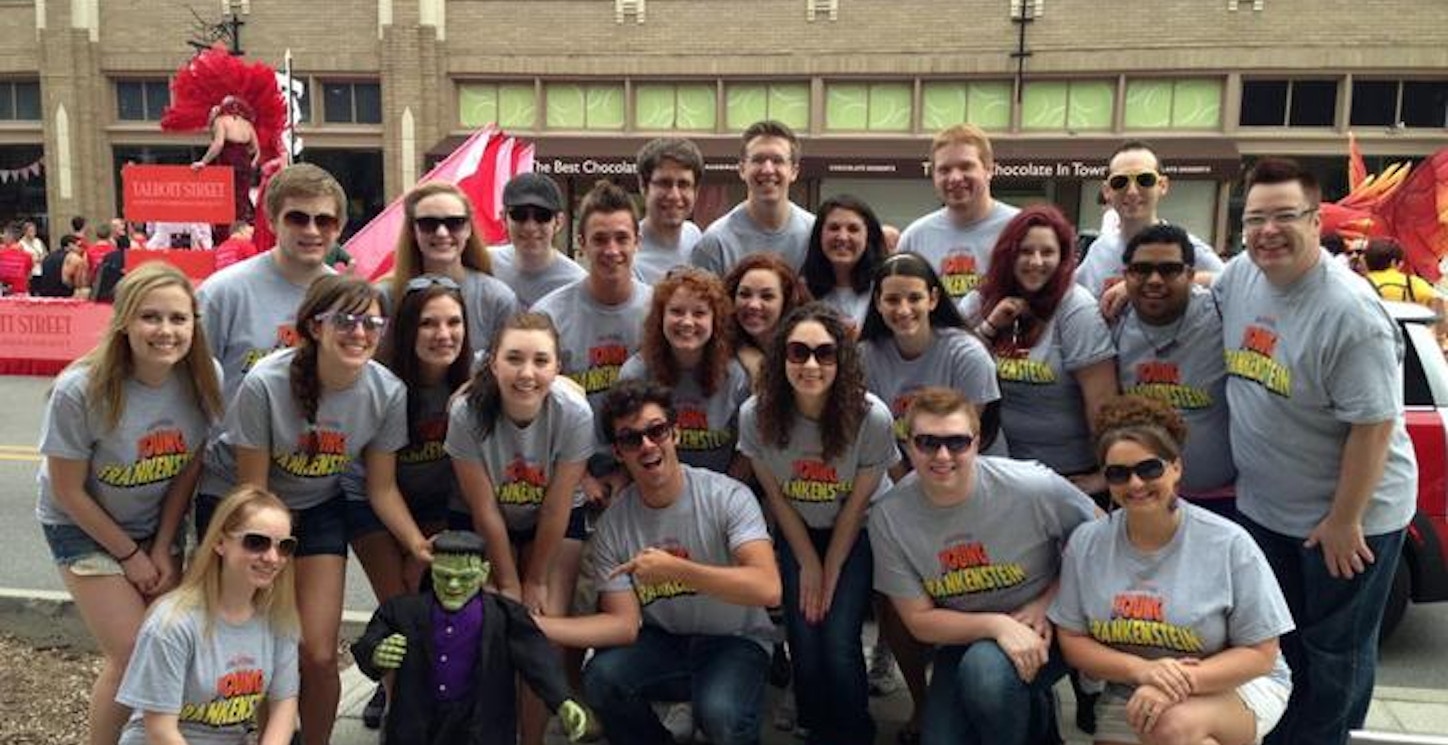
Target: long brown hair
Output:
[
  {"x": 659, "y": 358},
  {"x": 845, "y": 407},
  {"x": 407, "y": 260},
  {"x": 485, "y": 397},
  {"x": 333, "y": 292}
]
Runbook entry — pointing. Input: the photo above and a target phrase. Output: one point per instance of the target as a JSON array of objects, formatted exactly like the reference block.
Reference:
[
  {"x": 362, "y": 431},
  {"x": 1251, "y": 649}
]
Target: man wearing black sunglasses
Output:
[
  {"x": 533, "y": 209},
  {"x": 685, "y": 568},
  {"x": 1168, "y": 347},
  {"x": 249, "y": 309},
  {"x": 1134, "y": 186}
]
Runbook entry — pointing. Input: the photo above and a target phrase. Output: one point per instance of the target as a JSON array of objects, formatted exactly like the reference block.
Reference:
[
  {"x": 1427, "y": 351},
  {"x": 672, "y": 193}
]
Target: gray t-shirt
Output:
[
  {"x": 817, "y": 489},
  {"x": 954, "y": 359},
  {"x": 520, "y": 460},
  {"x": 713, "y": 517},
  {"x": 424, "y": 470},
  {"x": 131, "y": 466},
  {"x": 1179, "y": 364},
  {"x": 307, "y": 462},
  {"x": 1304, "y": 364},
  {"x": 1103, "y": 266},
  {"x": 960, "y": 255},
  {"x": 1043, "y": 412},
  {"x": 992, "y": 554},
  {"x": 852, "y": 305},
  {"x": 487, "y": 303},
  {"x": 707, "y": 426},
  {"x": 595, "y": 339},
  {"x": 213, "y": 681},
  {"x": 1209, "y": 589},
  {"x": 529, "y": 287},
  {"x": 248, "y": 310},
  {"x": 655, "y": 258},
  {"x": 736, "y": 235}
]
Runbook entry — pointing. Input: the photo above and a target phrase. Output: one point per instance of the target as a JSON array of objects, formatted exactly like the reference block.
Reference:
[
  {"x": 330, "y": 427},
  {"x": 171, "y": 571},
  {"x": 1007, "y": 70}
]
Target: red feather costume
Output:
[{"x": 1405, "y": 203}]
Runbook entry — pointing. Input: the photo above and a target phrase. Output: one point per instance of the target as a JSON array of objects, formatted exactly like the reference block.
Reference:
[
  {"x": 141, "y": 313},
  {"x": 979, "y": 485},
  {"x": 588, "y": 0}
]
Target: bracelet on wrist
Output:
[{"x": 127, "y": 557}]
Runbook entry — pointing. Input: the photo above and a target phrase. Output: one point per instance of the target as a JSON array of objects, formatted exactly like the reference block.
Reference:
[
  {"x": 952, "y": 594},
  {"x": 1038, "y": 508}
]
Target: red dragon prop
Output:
[{"x": 1405, "y": 203}]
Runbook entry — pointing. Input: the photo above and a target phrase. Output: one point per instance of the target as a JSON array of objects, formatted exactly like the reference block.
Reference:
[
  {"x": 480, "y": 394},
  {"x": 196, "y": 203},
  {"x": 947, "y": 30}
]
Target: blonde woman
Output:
[
  {"x": 120, "y": 435},
  {"x": 226, "y": 639}
]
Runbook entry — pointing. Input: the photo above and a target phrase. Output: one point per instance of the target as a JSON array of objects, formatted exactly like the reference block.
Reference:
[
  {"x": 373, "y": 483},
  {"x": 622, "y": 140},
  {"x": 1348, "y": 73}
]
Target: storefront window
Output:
[
  {"x": 1062, "y": 105},
  {"x": 22, "y": 193},
  {"x": 141, "y": 100},
  {"x": 351, "y": 103},
  {"x": 1293, "y": 103},
  {"x": 675, "y": 106},
  {"x": 509, "y": 105},
  {"x": 984, "y": 103},
  {"x": 580, "y": 106},
  {"x": 359, "y": 170},
  {"x": 868, "y": 107},
  {"x": 747, "y": 103},
  {"x": 1192, "y": 103}
]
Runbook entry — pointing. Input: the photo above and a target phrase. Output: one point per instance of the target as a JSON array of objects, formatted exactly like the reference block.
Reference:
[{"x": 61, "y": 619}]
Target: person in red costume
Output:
[{"x": 233, "y": 143}]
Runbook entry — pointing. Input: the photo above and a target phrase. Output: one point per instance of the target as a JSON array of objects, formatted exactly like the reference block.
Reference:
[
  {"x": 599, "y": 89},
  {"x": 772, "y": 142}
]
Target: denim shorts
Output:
[
  {"x": 577, "y": 529},
  {"x": 75, "y": 549},
  {"x": 320, "y": 530},
  {"x": 362, "y": 520}
]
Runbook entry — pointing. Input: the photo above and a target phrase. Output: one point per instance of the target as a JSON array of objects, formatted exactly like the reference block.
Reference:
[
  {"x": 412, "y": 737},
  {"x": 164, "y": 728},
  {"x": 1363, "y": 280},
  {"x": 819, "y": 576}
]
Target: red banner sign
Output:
[
  {"x": 178, "y": 194},
  {"x": 197, "y": 265},
  {"x": 50, "y": 328}
]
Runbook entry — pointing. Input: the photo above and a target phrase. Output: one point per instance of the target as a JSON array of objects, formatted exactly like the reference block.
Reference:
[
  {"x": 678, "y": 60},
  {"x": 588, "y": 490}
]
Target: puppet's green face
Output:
[{"x": 456, "y": 578}]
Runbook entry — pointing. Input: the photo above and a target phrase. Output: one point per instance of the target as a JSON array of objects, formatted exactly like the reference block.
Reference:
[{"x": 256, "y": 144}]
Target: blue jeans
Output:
[
  {"x": 976, "y": 697},
  {"x": 723, "y": 676},
  {"x": 830, "y": 689},
  {"x": 1334, "y": 651}
]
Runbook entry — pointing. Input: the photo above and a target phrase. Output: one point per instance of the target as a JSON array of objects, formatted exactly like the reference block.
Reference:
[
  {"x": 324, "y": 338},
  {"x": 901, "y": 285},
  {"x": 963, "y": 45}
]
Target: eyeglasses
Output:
[
  {"x": 799, "y": 353},
  {"x": 664, "y": 184},
  {"x": 953, "y": 444},
  {"x": 426, "y": 281},
  {"x": 260, "y": 543},
  {"x": 1147, "y": 470},
  {"x": 348, "y": 322},
  {"x": 1281, "y": 219},
  {"x": 1168, "y": 270},
  {"x": 453, "y": 223},
  {"x": 539, "y": 215},
  {"x": 632, "y": 439},
  {"x": 1143, "y": 179},
  {"x": 300, "y": 220}
]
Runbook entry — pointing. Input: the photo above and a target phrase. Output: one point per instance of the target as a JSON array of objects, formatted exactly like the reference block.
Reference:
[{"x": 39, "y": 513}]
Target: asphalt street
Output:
[{"x": 1409, "y": 659}]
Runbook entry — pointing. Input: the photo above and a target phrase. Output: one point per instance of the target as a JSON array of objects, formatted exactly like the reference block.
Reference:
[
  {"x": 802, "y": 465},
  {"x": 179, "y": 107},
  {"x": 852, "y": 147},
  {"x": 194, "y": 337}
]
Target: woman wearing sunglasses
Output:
[
  {"x": 1173, "y": 606},
  {"x": 519, "y": 443},
  {"x": 820, "y": 444},
  {"x": 120, "y": 436},
  {"x": 845, "y": 247},
  {"x": 764, "y": 289},
  {"x": 686, "y": 347},
  {"x": 968, "y": 549},
  {"x": 1053, "y": 351},
  {"x": 225, "y": 640},
  {"x": 427, "y": 348},
  {"x": 301, "y": 417},
  {"x": 437, "y": 238}
]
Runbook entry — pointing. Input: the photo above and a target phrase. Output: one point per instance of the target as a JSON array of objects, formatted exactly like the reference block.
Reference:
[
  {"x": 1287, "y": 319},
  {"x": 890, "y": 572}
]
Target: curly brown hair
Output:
[
  {"x": 845, "y": 408},
  {"x": 791, "y": 286},
  {"x": 1149, "y": 422},
  {"x": 658, "y": 356}
]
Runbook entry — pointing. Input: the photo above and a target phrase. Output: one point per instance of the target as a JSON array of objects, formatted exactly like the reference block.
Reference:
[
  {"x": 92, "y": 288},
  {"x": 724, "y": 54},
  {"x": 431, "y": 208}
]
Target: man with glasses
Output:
[
  {"x": 1167, "y": 347},
  {"x": 1134, "y": 187},
  {"x": 685, "y": 569},
  {"x": 249, "y": 309},
  {"x": 957, "y": 238},
  {"x": 766, "y": 220},
  {"x": 529, "y": 264},
  {"x": 670, "y": 171},
  {"x": 1326, "y": 474}
]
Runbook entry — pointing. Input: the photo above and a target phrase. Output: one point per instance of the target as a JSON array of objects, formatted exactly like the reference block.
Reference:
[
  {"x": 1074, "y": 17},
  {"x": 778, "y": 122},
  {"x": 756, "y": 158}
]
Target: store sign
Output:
[
  {"x": 50, "y": 329},
  {"x": 152, "y": 193},
  {"x": 610, "y": 167}
]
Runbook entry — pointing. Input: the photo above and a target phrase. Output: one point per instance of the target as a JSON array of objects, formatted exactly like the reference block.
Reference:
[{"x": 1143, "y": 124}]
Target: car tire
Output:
[{"x": 1397, "y": 603}]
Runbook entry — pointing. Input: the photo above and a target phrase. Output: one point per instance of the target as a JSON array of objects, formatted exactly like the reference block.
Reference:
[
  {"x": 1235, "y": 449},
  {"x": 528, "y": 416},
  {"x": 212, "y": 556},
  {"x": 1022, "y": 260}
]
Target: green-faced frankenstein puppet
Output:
[{"x": 456, "y": 652}]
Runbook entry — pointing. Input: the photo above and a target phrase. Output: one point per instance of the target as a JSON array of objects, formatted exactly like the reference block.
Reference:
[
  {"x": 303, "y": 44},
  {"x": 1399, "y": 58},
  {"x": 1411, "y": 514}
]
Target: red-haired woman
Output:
[
  {"x": 764, "y": 289},
  {"x": 1053, "y": 351}
]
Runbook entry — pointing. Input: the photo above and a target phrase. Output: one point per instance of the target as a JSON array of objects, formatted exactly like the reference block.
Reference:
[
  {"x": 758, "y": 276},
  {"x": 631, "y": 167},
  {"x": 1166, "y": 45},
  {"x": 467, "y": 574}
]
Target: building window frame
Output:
[
  {"x": 1291, "y": 97},
  {"x": 153, "y": 95},
  {"x": 357, "y": 109}
]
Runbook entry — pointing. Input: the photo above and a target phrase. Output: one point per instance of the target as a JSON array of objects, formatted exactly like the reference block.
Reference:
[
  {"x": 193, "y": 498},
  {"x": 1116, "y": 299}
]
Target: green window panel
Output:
[
  {"x": 1091, "y": 104},
  {"x": 789, "y": 103},
  {"x": 477, "y": 104},
  {"x": 943, "y": 104},
  {"x": 847, "y": 106},
  {"x": 517, "y": 106},
  {"x": 696, "y": 107},
  {"x": 1043, "y": 105},
  {"x": 605, "y": 107},
  {"x": 875, "y": 107},
  {"x": 566, "y": 106},
  {"x": 1197, "y": 104},
  {"x": 891, "y": 107},
  {"x": 1148, "y": 104},
  {"x": 667, "y": 106},
  {"x": 747, "y": 103},
  {"x": 577, "y": 106},
  {"x": 988, "y": 105},
  {"x": 654, "y": 106}
]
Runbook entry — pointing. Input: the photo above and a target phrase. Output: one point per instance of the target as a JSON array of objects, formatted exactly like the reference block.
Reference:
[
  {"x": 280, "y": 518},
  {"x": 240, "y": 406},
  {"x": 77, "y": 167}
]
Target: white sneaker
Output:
[
  {"x": 881, "y": 673},
  {"x": 679, "y": 721}
]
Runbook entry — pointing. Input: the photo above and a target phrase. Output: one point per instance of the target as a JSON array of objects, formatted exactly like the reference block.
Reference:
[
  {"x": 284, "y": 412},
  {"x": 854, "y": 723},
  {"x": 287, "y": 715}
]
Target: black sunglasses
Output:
[
  {"x": 1168, "y": 270},
  {"x": 347, "y": 322},
  {"x": 1144, "y": 180},
  {"x": 260, "y": 543},
  {"x": 632, "y": 439},
  {"x": 426, "y": 281},
  {"x": 453, "y": 223},
  {"x": 799, "y": 353},
  {"x": 536, "y": 214},
  {"x": 300, "y": 220},
  {"x": 931, "y": 444},
  {"x": 1147, "y": 470}
]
